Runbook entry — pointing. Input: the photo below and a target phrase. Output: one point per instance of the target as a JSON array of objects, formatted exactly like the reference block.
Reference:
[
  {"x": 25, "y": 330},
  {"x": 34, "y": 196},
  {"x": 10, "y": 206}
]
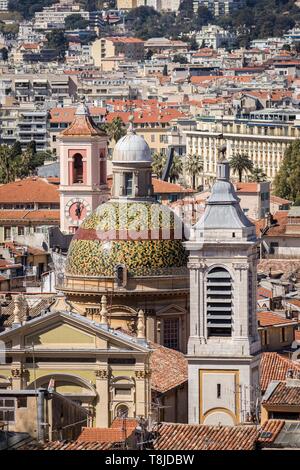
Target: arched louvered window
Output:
[{"x": 219, "y": 302}]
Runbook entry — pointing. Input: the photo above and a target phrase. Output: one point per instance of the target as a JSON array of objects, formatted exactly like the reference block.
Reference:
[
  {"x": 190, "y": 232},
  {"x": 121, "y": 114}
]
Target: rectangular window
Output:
[
  {"x": 264, "y": 337},
  {"x": 7, "y": 410},
  {"x": 21, "y": 230},
  {"x": 123, "y": 391},
  {"x": 283, "y": 336},
  {"x": 128, "y": 184},
  {"x": 7, "y": 233},
  {"x": 171, "y": 333},
  {"x": 218, "y": 390}
]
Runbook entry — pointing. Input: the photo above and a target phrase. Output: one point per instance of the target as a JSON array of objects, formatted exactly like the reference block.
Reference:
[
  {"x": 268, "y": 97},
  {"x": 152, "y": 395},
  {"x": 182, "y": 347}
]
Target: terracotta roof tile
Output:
[
  {"x": 273, "y": 319},
  {"x": 273, "y": 426},
  {"x": 263, "y": 293},
  {"x": 50, "y": 215},
  {"x": 273, "y": 366},
  {"x": 68, "y": 445},
  {"x": 201, "y": 437},
  {"x": 119, "y": 431},
  {"x": 29, "y": 190},
  {"x": 82, "y": 125},
  {"x": 7, "y": 316},
  {"x": 284, "y": 395},
  {"x": 168, "y": 368}
]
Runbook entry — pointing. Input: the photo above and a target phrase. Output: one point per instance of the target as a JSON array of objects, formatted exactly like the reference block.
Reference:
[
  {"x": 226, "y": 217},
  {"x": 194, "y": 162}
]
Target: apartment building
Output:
[
  {"x": 3, "y": 5},
  {"x": 24, "y": 124},
  {"x": 38, "y": 88},
  {"x": 263, "y": 136},
  {"x": 54, "y": 16},
  {"x": 214, "y": 36},
  {"x": 109, "y": 48},
  {"x": 32, "y": 125},
  {"x": 219, "y": 7},
  {"x": 126, "y": 4}
]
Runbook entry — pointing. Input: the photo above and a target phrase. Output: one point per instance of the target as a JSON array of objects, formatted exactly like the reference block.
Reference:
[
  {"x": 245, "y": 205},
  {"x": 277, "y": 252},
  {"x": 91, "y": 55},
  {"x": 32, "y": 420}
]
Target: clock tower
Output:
[{"x": 83, "y": 179}]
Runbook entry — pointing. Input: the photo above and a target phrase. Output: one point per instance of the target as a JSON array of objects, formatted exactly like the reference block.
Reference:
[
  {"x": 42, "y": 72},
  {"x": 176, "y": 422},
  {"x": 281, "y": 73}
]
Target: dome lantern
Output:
[{"x": 132, "y": 166}]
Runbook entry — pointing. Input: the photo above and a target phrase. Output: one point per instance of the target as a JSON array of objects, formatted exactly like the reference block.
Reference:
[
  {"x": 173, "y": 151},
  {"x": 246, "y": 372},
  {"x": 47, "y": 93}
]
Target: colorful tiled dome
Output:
[{"x": 146, "y": 237}]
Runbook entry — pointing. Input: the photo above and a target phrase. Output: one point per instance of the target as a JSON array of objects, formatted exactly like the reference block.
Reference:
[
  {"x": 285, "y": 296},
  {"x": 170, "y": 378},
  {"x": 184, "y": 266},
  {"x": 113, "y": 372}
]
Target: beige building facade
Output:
[{"x": 264, "y": 142}]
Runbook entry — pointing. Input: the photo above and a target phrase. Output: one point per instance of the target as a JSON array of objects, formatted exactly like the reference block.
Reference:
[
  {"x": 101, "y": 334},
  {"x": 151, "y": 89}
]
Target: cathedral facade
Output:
[{"x": 129, "y": 248}]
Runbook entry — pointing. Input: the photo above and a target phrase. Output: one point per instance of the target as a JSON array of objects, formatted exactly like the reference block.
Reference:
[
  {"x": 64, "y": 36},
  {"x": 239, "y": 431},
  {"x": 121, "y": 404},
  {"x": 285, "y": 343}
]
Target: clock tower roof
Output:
[{"x": 83, "y": 124}]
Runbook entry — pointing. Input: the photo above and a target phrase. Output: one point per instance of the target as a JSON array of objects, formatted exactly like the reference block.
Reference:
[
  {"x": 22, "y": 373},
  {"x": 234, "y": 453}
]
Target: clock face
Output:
[{"x": 77, "y": 210}]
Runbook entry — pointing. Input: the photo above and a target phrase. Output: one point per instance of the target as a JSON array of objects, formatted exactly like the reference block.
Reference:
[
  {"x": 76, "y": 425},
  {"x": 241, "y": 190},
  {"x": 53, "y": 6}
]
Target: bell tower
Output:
[
  {"x": 224, "y": 346},
  {"x": 83, "y": 178}
]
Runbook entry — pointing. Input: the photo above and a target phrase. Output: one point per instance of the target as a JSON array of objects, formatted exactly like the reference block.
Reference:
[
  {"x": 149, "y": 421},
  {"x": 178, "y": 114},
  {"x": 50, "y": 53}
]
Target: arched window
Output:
[
  {"x": 122, "y": 411},
  {"x": 219, "y": 302},
  {"x": 77, "y": 168}
]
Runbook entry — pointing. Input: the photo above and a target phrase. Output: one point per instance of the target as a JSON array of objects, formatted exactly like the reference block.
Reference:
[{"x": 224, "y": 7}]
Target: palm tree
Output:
[
  {"x": 115, "y": 129},
  {"x": 159, "y": 161},
  {"x": 10, "y": 164},
  {"x": 193, "y": 167},
  {"x": 176, "y": 168},
  {"x": 257, "y": 175},
  {"x": 240, "y": 164}
]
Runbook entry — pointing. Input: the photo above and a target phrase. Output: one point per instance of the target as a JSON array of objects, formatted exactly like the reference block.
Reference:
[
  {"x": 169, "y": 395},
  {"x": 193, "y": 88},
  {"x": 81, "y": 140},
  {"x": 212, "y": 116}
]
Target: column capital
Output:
[
  {"x": 101, "y": 374},
  {"x": 193, "y": 264}
]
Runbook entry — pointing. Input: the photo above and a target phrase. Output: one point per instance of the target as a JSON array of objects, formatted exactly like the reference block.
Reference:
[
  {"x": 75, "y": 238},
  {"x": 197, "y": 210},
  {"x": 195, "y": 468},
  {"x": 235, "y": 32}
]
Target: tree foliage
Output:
[
  {"x": 257, "y": 175},
  {"x": 75, "y": 21},
  {"x": 159, "y": 161},
  {"x": 193, "y": 167},
  {"x": 15, "y": 163},
  {"x": 27, "y": 8},
  {"x": 115, "y": 129},
  {"x": 57, "y": 40},
  {"x": 241, "y": 164},
  {"x": 287, "y": 180}
]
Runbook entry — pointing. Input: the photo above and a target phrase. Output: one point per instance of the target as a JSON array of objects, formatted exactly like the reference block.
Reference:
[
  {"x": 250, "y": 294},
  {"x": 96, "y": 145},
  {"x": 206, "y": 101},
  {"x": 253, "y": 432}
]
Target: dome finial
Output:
[
  {"x": 141, "y": 325},
  {"x": 82, "y": 109},
  {"x": 103, "y": 311},
  {"x": 130, "y": 129}
]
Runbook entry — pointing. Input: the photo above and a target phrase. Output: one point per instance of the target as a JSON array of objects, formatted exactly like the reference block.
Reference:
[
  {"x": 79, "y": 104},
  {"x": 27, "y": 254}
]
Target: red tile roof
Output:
[
  {"x": 284, "y": 395},
  {"x": 263, "y": 293},
  {"x": 147, "y": 116},
  {"x": 82, "y": 125},
  {"x": 125, "y": 40},
  {"x": 273, "y": 366},
  {"x": 273, "y": 319},
  {"x": 247, "y": 187},
  {"x": 28, "y": 190},
  {"x": 51, "y": 215},
  {"x": 66, "y": 114},
  {"x": 67, "y": 445},
  {"x": 279, "y": 200},
  {"x": 273, "y": 426},
  {"x": 201, "y": 437},
  {"x": 169, "y": 368},
  {"x": 119, "y": 431},
  {"x": 279, "y": 227},
  {"x": 160, "y": 187}
]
